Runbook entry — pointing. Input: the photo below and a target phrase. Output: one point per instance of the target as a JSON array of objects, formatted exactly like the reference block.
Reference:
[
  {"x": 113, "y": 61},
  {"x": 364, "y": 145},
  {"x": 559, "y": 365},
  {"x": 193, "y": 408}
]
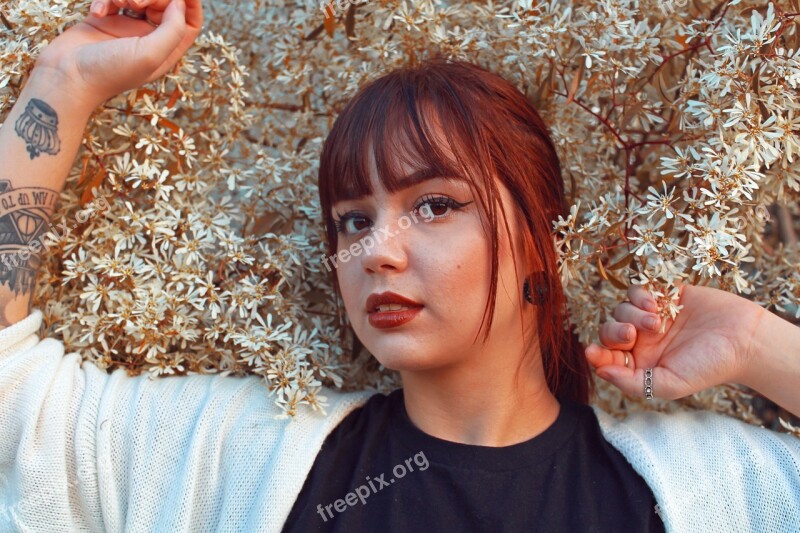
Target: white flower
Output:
[{"x": 649, "y": 239}]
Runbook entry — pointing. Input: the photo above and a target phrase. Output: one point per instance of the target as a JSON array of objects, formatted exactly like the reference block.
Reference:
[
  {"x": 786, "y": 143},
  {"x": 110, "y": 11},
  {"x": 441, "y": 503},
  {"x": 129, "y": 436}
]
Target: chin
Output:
[{"x": 406, "y": 358}]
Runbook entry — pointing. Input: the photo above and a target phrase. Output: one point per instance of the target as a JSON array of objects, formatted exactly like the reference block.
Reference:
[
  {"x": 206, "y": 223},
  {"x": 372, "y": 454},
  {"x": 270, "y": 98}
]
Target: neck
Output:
[{"x": 471, "y": 406}]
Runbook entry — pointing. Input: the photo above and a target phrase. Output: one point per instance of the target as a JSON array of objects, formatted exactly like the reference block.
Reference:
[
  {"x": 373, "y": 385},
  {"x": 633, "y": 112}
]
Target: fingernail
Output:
[
  {"x": 627, "y": 333},
  {"x": 651, "y": 322},
  {"x": 97, "y": 8}
]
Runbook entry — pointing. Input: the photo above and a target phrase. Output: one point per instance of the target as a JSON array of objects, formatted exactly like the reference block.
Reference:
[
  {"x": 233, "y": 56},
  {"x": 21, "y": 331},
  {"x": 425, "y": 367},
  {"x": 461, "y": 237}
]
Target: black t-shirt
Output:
[{"x": 377, "y": 471}]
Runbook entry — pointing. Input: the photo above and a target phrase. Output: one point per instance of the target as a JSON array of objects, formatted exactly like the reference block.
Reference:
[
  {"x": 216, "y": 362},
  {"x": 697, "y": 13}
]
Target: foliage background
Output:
[{"x": 677, "y": 125}]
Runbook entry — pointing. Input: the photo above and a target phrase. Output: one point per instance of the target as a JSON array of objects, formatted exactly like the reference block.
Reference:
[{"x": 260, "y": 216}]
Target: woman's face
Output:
[{"x": 427, "y": 243}]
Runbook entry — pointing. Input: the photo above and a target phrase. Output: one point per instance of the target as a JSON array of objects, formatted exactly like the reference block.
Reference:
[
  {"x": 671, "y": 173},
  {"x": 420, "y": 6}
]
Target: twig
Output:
[
  {"x": 6, "y": 22},
  {"x": 786, "y": 227}
]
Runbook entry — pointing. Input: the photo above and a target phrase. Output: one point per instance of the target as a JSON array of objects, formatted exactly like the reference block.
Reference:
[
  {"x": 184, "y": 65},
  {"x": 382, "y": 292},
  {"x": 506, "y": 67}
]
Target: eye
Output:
[
  {"x": 438, "y": 206},
  {"x": 350, "y": 223}
]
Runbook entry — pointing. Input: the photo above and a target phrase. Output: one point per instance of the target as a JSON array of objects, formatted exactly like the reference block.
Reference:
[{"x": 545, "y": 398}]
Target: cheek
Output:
[
  {"x": 456, "y": 274},
  {"x": 350, "y": 280}
]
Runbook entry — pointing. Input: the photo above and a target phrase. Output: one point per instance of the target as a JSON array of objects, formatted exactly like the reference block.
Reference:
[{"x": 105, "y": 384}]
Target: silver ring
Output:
[
  {"x": 626, "y": 359},
  {"x": 648, "y": 383},
  {"x": 138, "y": 15}
]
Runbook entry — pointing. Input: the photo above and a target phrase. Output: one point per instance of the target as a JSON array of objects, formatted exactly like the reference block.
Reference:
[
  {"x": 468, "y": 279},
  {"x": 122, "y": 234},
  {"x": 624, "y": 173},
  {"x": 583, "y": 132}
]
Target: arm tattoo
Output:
[
  {"x": 24, "y": 221},
  {"x": 38, "y": 126}
]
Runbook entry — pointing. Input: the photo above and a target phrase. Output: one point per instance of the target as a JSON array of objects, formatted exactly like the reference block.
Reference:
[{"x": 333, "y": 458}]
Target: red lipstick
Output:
[{"x": 390, "y": 318}]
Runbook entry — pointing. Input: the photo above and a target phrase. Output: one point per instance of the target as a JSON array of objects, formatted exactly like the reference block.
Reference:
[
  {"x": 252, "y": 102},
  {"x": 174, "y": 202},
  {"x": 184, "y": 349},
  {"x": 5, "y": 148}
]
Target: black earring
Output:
[{"x": 541, "y": 288}]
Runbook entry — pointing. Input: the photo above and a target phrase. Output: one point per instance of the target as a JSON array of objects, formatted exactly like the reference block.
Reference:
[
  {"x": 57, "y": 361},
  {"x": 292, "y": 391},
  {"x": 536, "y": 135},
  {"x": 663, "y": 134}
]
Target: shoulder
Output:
[
  {"x": 710, "y": 469},
  {"x": 167, "y": 431}
]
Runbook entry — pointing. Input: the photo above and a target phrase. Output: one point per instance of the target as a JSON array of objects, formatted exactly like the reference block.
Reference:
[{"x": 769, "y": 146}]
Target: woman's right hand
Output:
[{"x": 108, "y": 53}]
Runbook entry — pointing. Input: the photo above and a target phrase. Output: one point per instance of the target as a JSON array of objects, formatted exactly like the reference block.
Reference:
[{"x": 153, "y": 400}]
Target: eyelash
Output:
[{"x": 427, "y": 199}]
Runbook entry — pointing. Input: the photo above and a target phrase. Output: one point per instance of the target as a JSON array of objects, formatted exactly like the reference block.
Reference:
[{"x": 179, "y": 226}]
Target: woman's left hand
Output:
[{"x": 707, "y": 344}]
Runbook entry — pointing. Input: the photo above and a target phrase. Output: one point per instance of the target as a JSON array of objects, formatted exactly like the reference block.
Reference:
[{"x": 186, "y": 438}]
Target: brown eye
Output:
[
  {"x": 351, "y": 223},
  {"x": 435, "y": 207},
  {"x": 439, "y": 208}
]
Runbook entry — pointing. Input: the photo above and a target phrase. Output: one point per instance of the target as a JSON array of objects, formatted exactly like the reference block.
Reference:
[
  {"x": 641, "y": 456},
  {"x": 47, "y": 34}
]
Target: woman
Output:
[{"x": 440, "y": 184}]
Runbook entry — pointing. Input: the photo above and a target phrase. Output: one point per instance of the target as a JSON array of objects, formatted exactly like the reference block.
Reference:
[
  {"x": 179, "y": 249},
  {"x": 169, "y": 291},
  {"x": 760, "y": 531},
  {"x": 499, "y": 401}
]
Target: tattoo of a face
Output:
[
  {"x": 38, "y": 127},
  {"x": 24, "y": 221}
]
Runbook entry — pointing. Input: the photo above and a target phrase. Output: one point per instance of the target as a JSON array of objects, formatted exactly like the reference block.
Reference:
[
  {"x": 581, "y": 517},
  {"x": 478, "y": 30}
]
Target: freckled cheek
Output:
[
  {"x": 455, "y": 274},
  {"x": 351, "y": 281}
]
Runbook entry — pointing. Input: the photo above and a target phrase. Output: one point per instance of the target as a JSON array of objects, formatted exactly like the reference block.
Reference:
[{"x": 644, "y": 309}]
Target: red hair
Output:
[{"x": 493, "y": 133}]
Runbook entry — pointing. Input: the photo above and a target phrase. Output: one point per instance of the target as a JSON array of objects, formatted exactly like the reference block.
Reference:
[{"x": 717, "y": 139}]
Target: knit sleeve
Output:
[
  {"x": 711, "y": 472},
  {"x": 82, "y": 450}
]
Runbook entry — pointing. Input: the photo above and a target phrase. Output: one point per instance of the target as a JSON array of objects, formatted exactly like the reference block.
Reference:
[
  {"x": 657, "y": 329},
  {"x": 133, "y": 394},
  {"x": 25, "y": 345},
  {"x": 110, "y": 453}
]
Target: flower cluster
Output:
[{"x": 679, "y": 130}]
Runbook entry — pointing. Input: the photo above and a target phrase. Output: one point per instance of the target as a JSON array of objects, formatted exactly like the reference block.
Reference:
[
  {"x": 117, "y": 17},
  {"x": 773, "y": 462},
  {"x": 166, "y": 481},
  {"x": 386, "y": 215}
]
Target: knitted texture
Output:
[
  {"x": 82, "y": 450},
  {"x": 710, "y": 472}
]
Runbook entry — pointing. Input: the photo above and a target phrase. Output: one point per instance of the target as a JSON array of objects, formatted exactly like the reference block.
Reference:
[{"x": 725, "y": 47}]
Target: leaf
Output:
[
  {"x": 96, "y": 180},
  {"x": 83, "y": 170},
  {"x": 173, "y": 98},
  {"x": 631, "y": 111},
  {"x": 616, "y": 282},
  {"x": 601, "y": 269},
  {"x": 144, "y": 91},
  {"x": 612, "y": 229},
  {"x": 668, "y": 226},
  {"x": 621, "y": 263},
  {"x": 350, "y": 22},
  {"x": 592, "y": 80},
  {"x": 310, "y": 37},
  {"x": 661, "y": 89},
  {"x": 329, "y": 22},
  {"x": 265, "y": 223},
  {"x": 576, "y": 81},
  {"x": 169, "y": 124}
]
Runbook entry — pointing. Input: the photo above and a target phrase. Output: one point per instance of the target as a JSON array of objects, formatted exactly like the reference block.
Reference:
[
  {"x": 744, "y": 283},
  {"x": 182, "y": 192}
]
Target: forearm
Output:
[
  {"x": 774, "y": 362},
  {"x": 38, "y": 143}
]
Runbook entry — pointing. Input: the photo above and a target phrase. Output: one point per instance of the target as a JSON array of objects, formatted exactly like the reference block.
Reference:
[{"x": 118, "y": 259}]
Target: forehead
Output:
[
  {"x": 414, "y": 178},
  {"x": 407, "y": 169}
]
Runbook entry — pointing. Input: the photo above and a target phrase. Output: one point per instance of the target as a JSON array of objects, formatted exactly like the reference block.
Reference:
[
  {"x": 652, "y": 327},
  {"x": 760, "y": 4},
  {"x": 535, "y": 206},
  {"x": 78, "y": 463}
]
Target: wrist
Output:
[
  {"x": 53, "y": 85},
  {"x": 772, "y": 362}
]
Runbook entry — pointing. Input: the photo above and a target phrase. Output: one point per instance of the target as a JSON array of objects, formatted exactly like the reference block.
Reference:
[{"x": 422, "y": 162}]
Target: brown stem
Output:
[
  {"x": 786, "y": 226},
  {"x": 5, "y": 21}
]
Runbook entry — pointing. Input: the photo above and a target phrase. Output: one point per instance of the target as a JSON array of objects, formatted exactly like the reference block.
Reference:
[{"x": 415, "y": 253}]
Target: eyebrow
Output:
[{"x": 415, "y": 178}]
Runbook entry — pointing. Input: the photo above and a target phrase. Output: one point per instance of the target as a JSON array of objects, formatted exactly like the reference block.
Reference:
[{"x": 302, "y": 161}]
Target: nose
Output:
[{"x": 385, "y": 248}]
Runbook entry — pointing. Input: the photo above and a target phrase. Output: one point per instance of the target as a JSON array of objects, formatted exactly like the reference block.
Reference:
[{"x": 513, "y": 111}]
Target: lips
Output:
[
  {"x": 388, "y": 298},
  {"x": 390, "y": 310}
]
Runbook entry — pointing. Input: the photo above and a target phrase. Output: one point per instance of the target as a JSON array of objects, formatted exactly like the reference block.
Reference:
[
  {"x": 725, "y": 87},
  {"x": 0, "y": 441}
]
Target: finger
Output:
[
  {"x": 167, "y": 37},
  {"x": 620, "y": 335},
  {"x": 193, "y": 14},
  {"x": 600, "y": 356},
  {"x": 111, "y": 7},
  {"x": 664, "y": 383},
  {"x": 154, "y": 15},
  {"x": 97, "y": 9},
  {"x": 641, "y": 297},
  {"x": 101, "y": 8},
  {"x": 155, "y": 10},
  {"x": 628, "y": 312}
]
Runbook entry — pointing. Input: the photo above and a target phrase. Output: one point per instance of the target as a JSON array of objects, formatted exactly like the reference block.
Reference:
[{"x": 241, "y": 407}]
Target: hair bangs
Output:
[{"x": 390, "y": 133}]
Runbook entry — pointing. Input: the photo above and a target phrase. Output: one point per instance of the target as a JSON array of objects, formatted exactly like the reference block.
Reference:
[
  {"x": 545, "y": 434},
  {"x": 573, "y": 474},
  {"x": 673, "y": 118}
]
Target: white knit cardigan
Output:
[{"x": 81, "y": 450}]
